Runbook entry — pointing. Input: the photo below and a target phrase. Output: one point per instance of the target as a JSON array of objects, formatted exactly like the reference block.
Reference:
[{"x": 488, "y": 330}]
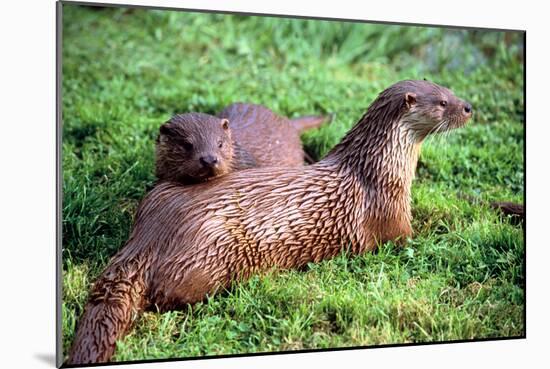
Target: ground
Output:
[{"x": 462, "y": 277}]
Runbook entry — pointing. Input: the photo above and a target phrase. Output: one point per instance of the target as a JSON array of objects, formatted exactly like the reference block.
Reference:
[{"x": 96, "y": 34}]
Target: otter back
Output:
[{"x": 271, "y": 139}]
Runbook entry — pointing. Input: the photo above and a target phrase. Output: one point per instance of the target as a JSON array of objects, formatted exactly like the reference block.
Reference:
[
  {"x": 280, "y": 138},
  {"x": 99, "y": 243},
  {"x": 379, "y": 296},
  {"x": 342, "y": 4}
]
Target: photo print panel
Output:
[{"x": 241, "y": 184}]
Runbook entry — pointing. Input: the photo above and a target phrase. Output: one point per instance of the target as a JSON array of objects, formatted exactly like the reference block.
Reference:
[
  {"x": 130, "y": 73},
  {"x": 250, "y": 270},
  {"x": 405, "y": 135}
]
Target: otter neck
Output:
[{"x": 381, "y": 155}]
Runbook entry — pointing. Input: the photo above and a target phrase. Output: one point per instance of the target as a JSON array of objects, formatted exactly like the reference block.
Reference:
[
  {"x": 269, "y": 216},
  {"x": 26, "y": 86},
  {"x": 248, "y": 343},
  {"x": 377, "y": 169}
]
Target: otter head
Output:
[
  {"x": 428, "y": 108},
  {"x": 193, "y": 147}
]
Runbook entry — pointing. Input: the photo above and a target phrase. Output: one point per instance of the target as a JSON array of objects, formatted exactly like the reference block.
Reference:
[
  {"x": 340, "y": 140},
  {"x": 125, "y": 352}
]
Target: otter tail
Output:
[
  {"x": 310, "y": 121},
  {"x": 115, "y": 299}
]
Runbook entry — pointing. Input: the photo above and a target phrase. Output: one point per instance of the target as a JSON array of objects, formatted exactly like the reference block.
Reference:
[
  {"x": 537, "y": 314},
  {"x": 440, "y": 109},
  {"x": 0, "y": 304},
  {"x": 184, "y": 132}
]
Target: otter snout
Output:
[{"x": 209, "y": 161}]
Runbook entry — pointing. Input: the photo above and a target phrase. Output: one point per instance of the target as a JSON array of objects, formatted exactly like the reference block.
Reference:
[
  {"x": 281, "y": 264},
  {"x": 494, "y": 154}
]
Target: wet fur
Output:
[{"x": 188, "y": 242}]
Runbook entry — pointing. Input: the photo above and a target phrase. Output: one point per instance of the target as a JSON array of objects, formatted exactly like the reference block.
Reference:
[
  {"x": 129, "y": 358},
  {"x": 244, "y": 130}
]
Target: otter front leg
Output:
[{"x": 389, "y": 229}]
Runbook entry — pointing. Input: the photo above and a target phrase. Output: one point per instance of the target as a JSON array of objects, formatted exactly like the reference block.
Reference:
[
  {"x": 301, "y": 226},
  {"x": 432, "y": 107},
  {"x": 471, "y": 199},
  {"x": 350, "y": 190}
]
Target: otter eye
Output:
[
  {"x": 443, "y": 103},
  {"x": 187, "y": 146},
  {"x": 220, "y": 144}
]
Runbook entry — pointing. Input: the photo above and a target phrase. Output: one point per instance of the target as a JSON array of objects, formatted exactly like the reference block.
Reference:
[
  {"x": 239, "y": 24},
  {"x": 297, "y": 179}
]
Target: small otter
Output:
[
  {"x": 194, "y": 147},
  {"x": 189, "y": 241}
]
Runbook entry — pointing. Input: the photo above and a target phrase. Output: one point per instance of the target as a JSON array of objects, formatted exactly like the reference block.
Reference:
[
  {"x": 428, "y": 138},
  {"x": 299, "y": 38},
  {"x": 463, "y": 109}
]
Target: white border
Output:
[{"x": 28, "y": 181}]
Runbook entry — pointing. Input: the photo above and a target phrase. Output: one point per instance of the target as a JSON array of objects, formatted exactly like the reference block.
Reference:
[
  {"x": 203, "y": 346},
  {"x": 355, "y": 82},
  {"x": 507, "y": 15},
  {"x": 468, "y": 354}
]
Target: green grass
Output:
[{"x": 462, "y": 277}]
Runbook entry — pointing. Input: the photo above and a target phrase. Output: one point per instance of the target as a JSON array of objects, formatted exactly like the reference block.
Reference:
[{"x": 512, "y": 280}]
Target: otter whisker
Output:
[{"x": 433, "y": 133}]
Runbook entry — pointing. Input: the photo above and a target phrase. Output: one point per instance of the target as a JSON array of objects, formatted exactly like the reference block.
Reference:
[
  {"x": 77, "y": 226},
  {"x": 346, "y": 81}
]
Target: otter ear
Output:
[
  {"x": 167, "y": 129},
  {"x": 225, "y": 124},
  {"x": 410, "y": 99}
]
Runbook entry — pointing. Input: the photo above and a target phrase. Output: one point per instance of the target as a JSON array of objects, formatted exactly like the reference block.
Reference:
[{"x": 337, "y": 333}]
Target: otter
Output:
[
  {"x": 195, "y": 147},
  {"x": 511, "y": 211},
  {"x": 190, "y": 241},
  {"x": 514, "y": 211}
]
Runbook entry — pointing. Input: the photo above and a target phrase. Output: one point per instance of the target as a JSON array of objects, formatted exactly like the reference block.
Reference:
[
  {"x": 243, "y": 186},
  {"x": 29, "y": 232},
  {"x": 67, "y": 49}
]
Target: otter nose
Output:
[
  {"x": 208, "y": 160},
  {"x": 467, "y": 108}
]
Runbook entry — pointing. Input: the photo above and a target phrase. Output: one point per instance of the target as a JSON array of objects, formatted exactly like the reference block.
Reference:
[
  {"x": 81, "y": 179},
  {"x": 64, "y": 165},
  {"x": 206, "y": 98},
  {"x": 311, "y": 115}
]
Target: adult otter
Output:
[
  {"x": 187, "y": 242},
  {"x": 193, "y": 147}
]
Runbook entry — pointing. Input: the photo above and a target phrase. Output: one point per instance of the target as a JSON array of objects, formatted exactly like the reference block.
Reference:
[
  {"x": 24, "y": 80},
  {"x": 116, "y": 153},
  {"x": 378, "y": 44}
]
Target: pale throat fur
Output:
[{"x": 383, "y": 169}]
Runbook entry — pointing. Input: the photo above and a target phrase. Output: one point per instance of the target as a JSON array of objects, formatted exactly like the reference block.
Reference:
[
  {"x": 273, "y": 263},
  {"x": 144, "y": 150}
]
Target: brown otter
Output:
[
  {"x": 188, "y": 242},
  {"x": 193, "y": 147},
  {"x": 514, "y": 211}
]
